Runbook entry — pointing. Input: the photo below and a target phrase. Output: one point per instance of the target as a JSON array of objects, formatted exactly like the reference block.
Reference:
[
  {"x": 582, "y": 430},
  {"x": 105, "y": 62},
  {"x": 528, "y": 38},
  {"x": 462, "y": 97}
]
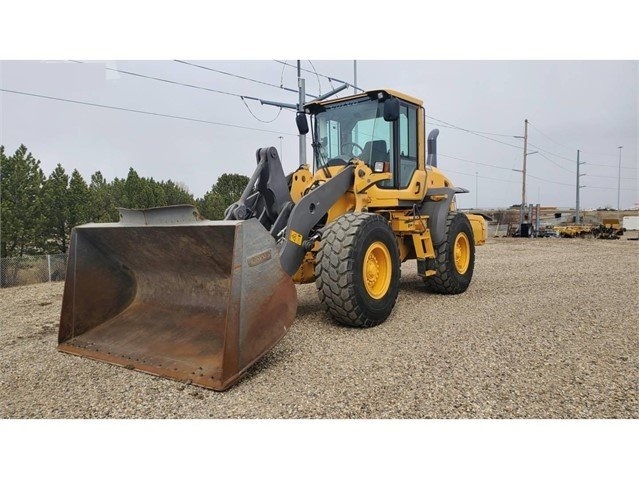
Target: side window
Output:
[
  {"x": 375, "y": 137},
  {"x": 333, "y": 138},
  {"x": 407, "y": 144}
]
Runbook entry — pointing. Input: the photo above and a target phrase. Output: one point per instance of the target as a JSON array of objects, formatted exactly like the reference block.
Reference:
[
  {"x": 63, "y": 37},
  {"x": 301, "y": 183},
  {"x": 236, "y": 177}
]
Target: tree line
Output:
[{"x": 37, "y": 212}]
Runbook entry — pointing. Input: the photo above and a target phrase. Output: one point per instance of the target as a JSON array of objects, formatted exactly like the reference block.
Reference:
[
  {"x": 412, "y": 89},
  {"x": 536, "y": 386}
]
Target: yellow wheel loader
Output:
[{"x": 166, "y": 292}]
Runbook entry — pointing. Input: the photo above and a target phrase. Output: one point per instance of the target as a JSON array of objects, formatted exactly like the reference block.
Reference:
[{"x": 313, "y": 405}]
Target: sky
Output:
[
  {"x": 570, "y": 68},
  {"x": 479, "y": 106}
]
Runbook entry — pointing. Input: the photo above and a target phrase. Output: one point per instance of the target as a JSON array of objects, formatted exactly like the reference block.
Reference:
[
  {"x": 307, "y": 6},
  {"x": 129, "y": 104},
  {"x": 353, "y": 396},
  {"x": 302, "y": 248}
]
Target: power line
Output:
[
  {"x": 572, "y": 172},
  {"x": 550, "y": 181},
  {"x": 556, "y": 164},
  {"x": 325, "y": 76},
  {"x": 242, "y": 97},
  {"x": 319, "y": 84},
  {"x": 482, "y": 134},
  {"x": 568, "y": 147},
  {"x": 241, "y": 77},
  {"x": 259, "y": 119},
  {"x": 111, "y": 107},
  {"x": 556, "y": 142},
  {"x": 475, "y": 162},
  {"x": 450, "y": 125},
  {"x": 503, "y": 168},
  {"x": 571, "y": 160},
  {"x": 125, "y": 72},
  {"x": 472, "y": 132},
  {"x": 480, "y": 176},
  {"x": 610, "y": 188},
  {"x": 532, "y": 176}
]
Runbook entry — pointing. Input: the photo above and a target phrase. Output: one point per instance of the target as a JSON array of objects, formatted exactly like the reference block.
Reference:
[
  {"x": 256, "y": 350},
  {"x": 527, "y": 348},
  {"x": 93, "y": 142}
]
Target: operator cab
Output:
[{"x": 376, "y": 128}]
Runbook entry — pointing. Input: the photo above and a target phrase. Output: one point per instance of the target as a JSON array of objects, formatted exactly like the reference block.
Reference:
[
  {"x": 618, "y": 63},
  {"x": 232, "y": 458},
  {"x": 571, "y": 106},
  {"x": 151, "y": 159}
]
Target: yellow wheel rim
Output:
[
  {"x": 377, "y": 270},
  {"x": 462, "y": 253}
]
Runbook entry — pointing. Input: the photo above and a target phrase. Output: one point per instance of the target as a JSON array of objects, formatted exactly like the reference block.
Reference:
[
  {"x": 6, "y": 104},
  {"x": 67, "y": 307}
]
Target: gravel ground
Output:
[{"x": 547, "y": 329}]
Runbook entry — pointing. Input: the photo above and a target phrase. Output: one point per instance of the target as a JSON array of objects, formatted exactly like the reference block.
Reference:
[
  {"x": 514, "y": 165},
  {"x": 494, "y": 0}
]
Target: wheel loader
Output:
[{"x": 166, "y": 292}]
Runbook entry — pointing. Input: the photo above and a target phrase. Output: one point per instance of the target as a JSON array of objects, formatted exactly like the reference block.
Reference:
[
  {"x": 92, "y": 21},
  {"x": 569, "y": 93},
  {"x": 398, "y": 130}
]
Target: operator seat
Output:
[{"x": 375, "y": 150}]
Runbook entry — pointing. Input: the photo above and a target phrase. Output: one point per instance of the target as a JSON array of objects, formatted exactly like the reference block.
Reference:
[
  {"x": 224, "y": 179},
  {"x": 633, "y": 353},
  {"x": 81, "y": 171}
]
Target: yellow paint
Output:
[
  {"x": 295, "y": 237},
  {"x": 461, "y": 253},
  {"x": 480, "y": 231},
  {"x": 377, "y": 270},
  {"x": 306, "y": 272},
  {"x": 302, "y": 179}
]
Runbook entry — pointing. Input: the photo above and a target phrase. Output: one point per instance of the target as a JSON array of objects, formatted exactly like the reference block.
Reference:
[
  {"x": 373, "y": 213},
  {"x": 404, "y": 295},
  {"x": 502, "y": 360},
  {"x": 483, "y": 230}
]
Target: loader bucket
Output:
[{"x": 193, "y": 300}]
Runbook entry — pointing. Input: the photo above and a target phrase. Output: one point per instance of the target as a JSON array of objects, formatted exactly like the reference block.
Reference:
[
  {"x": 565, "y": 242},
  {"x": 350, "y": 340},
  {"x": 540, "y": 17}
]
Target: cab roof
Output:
[{"x": 387, "y": 92}]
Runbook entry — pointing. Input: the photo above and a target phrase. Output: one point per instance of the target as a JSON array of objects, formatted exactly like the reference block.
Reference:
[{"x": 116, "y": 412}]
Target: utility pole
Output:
[
  {"x": 523, "y": 183},
  {"x": 281, "y": 152},
  {"x": 523, "y": 172},
  {"x": 354, "y": 76},
  {"x": 300, "y": 108},
  {"x": 619, "y": 181},
  {"x": 577, "y": 219},
  {"x": 476, "y": 189}
]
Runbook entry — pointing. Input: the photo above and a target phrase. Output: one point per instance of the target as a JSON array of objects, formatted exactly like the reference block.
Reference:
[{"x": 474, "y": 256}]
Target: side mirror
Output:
[
  {"x": 302, "y": 123},
  {"x": 391, "y": 109}
]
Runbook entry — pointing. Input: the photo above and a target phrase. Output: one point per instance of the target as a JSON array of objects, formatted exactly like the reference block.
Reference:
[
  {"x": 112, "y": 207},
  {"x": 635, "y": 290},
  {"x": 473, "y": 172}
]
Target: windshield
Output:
[{"x": 355, "y": 129}]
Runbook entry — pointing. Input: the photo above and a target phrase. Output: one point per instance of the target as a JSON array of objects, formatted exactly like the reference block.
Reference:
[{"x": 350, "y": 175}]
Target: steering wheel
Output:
[{"x": 361, "y": 150}]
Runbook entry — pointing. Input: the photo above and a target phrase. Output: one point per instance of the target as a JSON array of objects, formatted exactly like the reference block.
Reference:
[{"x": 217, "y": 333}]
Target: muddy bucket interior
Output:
[{"x": 199, "y": 301}]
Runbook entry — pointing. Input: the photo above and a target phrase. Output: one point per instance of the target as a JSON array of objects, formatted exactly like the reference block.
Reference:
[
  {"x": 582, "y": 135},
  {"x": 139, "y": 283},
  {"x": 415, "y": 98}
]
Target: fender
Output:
[{"x": 437, "y": 211}]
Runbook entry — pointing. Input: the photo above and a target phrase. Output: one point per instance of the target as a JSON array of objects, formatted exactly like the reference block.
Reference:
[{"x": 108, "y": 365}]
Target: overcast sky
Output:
[
  {"x": 571, "y": 105},
  {"x": 588, "y": 105}
]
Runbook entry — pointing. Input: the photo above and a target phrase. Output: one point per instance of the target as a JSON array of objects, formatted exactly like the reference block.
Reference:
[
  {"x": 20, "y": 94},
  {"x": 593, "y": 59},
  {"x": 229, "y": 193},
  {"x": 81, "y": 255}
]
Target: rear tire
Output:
[
  {"x": 455, "y": 258},
  {"x": 357, "y": 269}
]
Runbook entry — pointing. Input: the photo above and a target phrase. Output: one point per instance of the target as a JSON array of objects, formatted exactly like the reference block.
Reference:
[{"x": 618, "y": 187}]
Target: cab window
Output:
[{"x": 407, "y": 144}]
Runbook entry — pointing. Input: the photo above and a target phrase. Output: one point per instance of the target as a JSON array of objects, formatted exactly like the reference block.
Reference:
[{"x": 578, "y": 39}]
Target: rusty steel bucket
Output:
[{"x": 167, "y": 294}]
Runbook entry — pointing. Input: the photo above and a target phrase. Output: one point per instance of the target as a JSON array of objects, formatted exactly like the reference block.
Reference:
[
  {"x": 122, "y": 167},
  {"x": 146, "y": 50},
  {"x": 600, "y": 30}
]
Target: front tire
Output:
[
  {"x": 455, "y": 258},
  {"x": 357, "y": 269}
]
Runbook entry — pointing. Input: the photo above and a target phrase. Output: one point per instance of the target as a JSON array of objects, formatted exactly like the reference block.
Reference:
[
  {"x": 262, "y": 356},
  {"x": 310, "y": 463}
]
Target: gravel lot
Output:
[{"x": 547, "y": 329}]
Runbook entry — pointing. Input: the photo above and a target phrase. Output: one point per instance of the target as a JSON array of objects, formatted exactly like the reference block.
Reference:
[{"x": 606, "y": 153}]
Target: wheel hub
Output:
[
  {"x": 372, "y": 270},
  {"x": 462, "y": 253},
  {"x": 377, "y": 270}
]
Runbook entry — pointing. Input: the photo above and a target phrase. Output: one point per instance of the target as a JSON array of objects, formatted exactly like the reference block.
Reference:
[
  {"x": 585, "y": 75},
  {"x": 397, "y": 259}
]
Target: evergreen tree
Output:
[
  {"x": 56, "y": 211},
  {"x": 177, "y": 193},
  {"x": 21, "y": 181},
  {"x": 79, "y": 200},
  {"x": 227, "y": 190},
  {"x": 102, "y": 205}
]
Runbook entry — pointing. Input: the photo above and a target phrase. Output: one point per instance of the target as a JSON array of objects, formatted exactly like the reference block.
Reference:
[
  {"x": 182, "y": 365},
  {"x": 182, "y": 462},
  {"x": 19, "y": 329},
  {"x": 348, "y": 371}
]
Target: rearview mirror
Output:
[
  {"x": 391, "y": 109},
  {"x": 302, "y": 123}
]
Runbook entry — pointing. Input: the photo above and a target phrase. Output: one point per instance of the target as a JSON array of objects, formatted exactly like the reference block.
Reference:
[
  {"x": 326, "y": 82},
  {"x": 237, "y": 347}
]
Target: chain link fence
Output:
[{"x": 21, "y": 270}]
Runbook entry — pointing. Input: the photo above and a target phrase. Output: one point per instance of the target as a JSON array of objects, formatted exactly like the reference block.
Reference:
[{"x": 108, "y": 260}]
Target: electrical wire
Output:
[
  {"x": 554, "y": 141},
  {"x": 259, "y": 119},
  {"x": 320, "y": 74},
  {"x": 282, "y": 76},
  {"x": 557, "y": 164},
  {"x": 572, "y": 160},
  {"x": 480, "y": 176},
  {"x": 480, "y": 134},
  {"x": 474, "y": 162},
  {"x": 164, "y": 80},
  {"x": 319, "y": 84},
  {"x": 241, "y": 77},
  {"x": 451, "y": 125},
  {"x": 111, "y": 107},
  {"x": 568, "y": 147},
  {"x": 446, "y": 124}
]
